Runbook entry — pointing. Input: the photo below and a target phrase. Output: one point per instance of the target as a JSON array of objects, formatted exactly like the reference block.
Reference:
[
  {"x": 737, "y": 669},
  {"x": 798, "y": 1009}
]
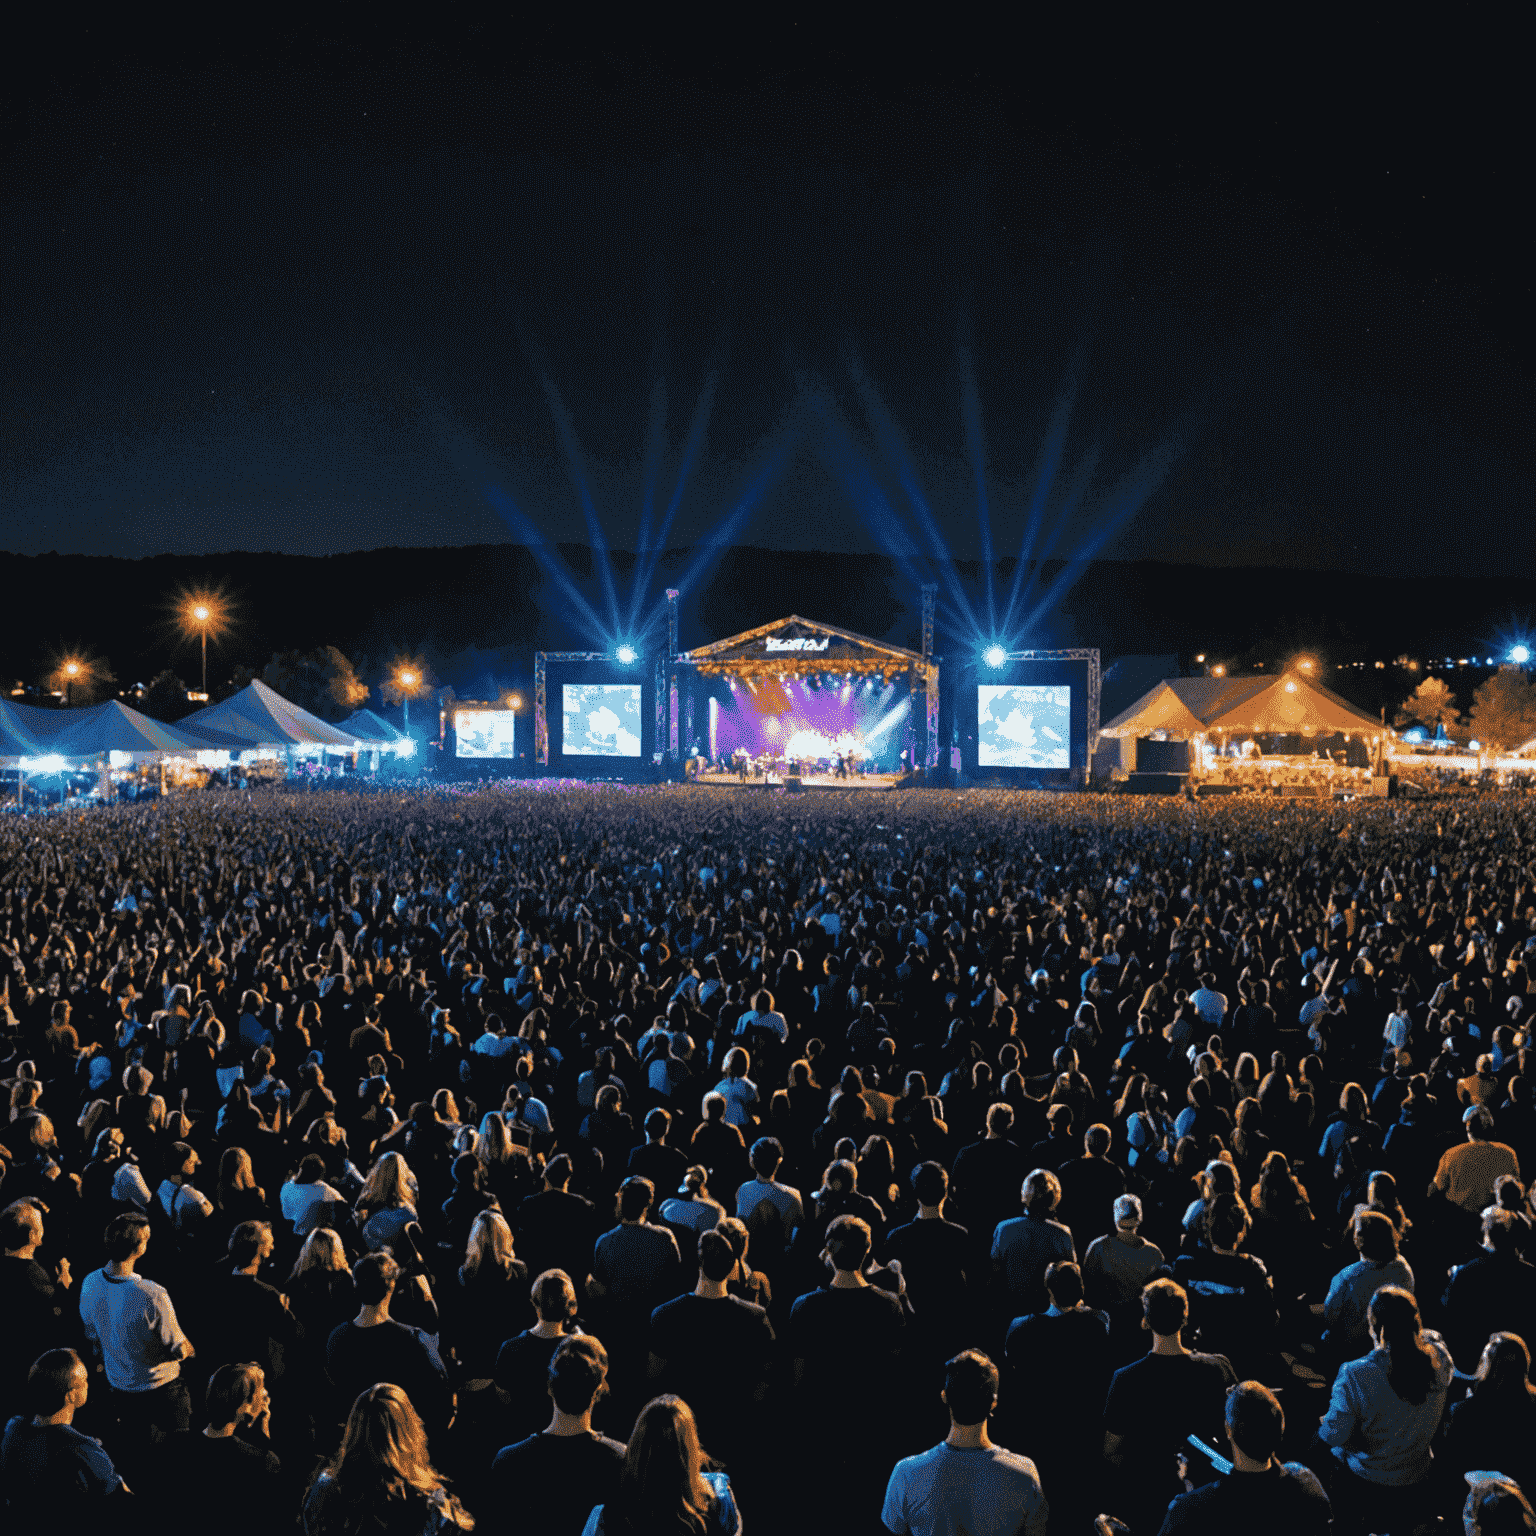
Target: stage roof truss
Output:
[{"x": 797, "y": 647}]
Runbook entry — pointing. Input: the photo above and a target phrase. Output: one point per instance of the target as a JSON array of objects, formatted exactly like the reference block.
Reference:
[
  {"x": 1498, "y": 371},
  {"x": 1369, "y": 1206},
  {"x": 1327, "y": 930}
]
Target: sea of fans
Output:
[{"x": 592, "y": 1160}]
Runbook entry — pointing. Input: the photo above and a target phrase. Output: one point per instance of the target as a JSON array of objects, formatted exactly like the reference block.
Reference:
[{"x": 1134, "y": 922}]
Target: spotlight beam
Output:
[
  {"x": 1050, "y": 461},
  {"x": 773, "y": 457},
  {"x": 1077, "y": 489},
  {"x": 976, "y": 449},
  {"x": 692, "y": 445},
  {"x": 896, "y": 451},
  {"x": 524, "y": 531},
  {"x": 842, "y": 457},
  {"x": 573, "y": 456},
  {"x": 1128, "y": 497},
  {"x": 655, "y": 441}
]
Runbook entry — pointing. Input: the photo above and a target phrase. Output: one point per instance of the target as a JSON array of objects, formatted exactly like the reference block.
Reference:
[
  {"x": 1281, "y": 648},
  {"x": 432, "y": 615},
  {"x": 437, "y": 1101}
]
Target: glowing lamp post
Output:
[
  {"x": 514, "y": 703},
  {"x": 407, "y": 680},
  {"x": 71, "y": 672},
  {"x": 201, "y": 613}
]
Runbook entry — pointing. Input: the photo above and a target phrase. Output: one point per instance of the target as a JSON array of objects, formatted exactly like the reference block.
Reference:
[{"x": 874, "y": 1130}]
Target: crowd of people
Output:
[{"x": 600, "y": 1160}]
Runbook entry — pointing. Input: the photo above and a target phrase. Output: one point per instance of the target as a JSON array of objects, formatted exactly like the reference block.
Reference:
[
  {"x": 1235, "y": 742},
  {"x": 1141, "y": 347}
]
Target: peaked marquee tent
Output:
[
  {"x": 1289, "y": 704},
  {"x": 372, "y": 730},
  {"x": 259, "y": 716}
]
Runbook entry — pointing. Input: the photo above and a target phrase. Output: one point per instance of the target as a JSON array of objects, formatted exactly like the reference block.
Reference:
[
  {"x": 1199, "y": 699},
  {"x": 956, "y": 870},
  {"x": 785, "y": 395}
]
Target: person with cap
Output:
[
  {"x": 1118, "y": 1266},
  {"x": 966, "y": 1482},
  {"x": 1262, "y": 1495},
  {"x": 549, "y": 1481}
]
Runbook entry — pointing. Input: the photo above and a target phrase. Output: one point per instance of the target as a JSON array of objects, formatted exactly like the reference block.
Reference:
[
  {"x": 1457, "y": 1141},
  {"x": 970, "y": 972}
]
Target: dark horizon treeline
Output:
[{"x": 479, "y": 613}]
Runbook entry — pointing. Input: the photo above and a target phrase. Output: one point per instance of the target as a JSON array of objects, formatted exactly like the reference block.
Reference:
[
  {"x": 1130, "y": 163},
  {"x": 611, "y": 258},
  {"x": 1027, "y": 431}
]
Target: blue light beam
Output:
[
  {"x": 1127, "y": 498},
  {"x": 1050, "y": 461},
  {"x": 573, "y": 455},
  {"x": 897, "y": 453},
  {"x": 774, "y": 457},
  {"x": 976, "y": 449},
  {"x": 1077, "y": 489},
  {"x": 523, "y": 530},
  {"x": 692, "y": 446}
]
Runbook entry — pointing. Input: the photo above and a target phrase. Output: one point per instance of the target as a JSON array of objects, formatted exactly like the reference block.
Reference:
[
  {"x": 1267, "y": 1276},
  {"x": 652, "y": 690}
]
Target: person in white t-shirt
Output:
[
  {"x": 738, "y": 1090},
  {"x": 784, "y": 1201},
  {"x": 132, "y": 1327},
  {"x": 1398, "y": 1027},
  {"x": 186, "y": 1205},
  {"x": 306, "y": 1194},
  {"x": 966, "y": 1483}
]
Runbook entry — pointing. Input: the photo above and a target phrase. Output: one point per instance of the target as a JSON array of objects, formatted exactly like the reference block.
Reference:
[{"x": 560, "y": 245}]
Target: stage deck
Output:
[{"x": 859, "y": 784}]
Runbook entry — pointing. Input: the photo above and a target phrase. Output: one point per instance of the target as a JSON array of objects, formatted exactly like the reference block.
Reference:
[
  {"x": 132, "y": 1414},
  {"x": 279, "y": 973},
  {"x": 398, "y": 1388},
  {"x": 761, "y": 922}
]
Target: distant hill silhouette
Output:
[{"x": 495, "y": 605}]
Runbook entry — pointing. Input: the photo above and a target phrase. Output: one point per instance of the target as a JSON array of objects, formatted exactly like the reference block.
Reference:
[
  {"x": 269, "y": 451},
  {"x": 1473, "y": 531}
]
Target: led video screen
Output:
[
  {"x": 600, "y": 719},
  {"x": 485, "y": 733},
  {"x": 1023, "y": 727}
]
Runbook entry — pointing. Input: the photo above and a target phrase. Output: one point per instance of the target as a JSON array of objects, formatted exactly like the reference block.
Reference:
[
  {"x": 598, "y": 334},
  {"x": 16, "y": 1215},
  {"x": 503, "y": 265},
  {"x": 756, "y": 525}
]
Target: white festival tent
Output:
[
  {"x": 372, "y": 730},
  {"x": 258, "y": 718},
  {"x": 117, "y": 732},
  {"x": 17, "y": 742}
]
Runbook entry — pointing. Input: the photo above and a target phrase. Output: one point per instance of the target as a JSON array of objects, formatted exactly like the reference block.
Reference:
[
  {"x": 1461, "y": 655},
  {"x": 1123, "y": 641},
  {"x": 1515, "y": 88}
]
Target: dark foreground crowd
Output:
[{"x": 667, "y": 1161}]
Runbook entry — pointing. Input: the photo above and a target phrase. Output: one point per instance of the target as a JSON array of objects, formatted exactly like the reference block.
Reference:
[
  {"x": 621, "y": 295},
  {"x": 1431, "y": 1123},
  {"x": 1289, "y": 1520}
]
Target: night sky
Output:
[{"x": 298, "y": 289}]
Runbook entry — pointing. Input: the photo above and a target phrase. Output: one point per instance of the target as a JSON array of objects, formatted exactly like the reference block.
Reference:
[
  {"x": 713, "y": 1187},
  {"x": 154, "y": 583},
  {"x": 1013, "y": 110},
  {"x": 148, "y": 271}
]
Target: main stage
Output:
[{"x": 862, "y": 783}]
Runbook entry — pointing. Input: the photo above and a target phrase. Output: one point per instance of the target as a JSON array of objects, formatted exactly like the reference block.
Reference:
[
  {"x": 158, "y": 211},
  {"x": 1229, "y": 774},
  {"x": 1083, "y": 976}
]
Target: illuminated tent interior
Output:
[{"x": 1289, "y": 704}]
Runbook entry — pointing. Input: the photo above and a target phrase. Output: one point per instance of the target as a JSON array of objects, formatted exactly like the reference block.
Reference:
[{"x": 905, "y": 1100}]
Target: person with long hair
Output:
[
  {"x": 489, "y": 1303},
  {"x": 380, "y": 1482},
  {"x": 387, "y": 1203},
  {"x": 1495, "y": 1424},
  {"x": 239, "y": 1196},
  {"x": 664, "y": 1489},
  {"x": 319, "y": 1286},
  {"x": 1384, "y": 1412}
]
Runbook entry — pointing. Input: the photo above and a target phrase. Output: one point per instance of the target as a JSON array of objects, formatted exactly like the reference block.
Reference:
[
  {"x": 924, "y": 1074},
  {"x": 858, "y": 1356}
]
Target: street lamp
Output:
[
  {"x": 203, "y": 612},
  {"x": 407, "y": 680},
  {"x": 71, "y": 672},
  {"x": 514, "y": 703}
]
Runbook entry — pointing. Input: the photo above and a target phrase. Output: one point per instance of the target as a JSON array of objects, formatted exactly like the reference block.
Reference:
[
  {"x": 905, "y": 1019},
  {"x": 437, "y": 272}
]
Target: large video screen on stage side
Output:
[
  {"x": 485, "y": 733},
  {"x": 601, "y": 719},
  {"x": 1021, "y": 726}
]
